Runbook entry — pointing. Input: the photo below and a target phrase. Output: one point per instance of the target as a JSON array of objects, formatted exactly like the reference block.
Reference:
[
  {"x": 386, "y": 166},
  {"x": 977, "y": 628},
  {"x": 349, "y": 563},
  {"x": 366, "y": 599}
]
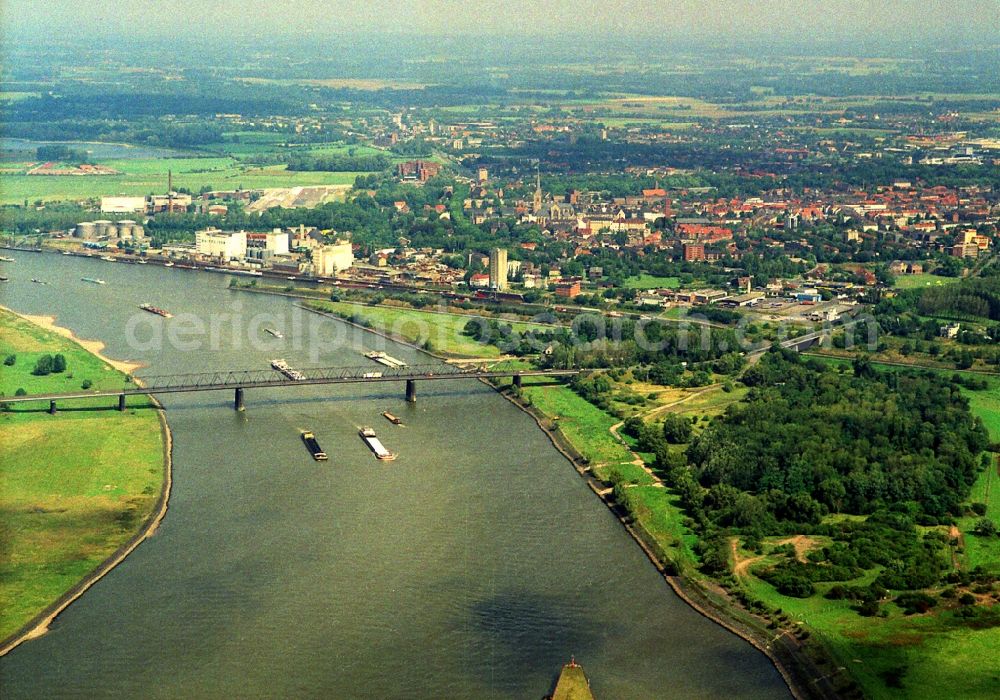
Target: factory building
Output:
[
  {"x": 123, "y": 205},
  {"x": 223, "y": 245},
  {"x": 328, "y": 260}
]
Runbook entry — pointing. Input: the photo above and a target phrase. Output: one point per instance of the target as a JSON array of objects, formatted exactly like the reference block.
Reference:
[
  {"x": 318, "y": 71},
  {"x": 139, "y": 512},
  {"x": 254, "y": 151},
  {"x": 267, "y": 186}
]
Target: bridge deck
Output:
[{"x": 264, "y": 378}]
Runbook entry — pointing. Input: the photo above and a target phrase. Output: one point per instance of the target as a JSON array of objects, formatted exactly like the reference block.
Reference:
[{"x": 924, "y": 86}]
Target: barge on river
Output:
[
  {"x": 384, "y": 359},
  {"x": 313, "y": 446},
  {"x": 156, "y": 310},
  {"x": 375, "y": 445},
  {"x": 286, "y": 370},
  {"x": 395, "y": 420}
]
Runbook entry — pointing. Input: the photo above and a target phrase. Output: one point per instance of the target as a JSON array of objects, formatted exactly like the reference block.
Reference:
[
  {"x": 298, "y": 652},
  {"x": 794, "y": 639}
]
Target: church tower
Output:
[{"x": 537, "y": 204}]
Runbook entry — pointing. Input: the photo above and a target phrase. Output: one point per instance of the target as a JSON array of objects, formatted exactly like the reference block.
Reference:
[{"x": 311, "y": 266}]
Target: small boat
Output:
[
  {"x": 38, "y": 281},
  {"x": 395, "y": 420},
  {"x": 274, "y": 332},
  {"x": 93, "y": 280},
  {"x": 156, "y": 310},
  {"x": 313, "y": 446},
  {"x": 4, "y": 258},
  {"x": 141, "y": 262},
  {"x": 4, "y": 279},
  {"x": 375, "y": 445},
  {"x": 107, "y": 258},
  {"x": 66, "y": 252},
  {"x": 168, "y": 263}
]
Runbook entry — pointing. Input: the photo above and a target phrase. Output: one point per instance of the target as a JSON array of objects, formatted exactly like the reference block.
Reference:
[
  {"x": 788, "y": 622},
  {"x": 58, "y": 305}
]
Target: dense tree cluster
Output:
[{"x": 845, "y": 443}]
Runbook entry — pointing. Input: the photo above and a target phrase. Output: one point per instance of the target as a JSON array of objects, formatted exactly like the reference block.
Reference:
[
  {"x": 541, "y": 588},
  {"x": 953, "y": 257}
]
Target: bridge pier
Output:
[
  {"x": 238, "y": 400},
  {"x": 121, "y": 402},
  {"x": 517, "y": 382},
  {"x": 52, "y": 407},
  {"x": 411, "y": 390}
]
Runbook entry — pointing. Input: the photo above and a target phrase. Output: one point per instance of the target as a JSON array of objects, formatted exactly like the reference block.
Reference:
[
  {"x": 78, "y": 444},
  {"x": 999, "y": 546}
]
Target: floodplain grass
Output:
[
  {"x": 444, "y": 330},
  {"x": 74, "y": 487},
  {"x": 587, "y": 427}
]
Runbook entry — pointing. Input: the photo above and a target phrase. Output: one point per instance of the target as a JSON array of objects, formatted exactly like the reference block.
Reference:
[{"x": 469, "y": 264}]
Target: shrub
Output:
[
  {"x": 10, "y": 360},
  {"x": 59, "y": 363},
  {"x": 43, "y": 366},
  {"x": 20, "y": 392},
  {"x": 86, "y": 384}
]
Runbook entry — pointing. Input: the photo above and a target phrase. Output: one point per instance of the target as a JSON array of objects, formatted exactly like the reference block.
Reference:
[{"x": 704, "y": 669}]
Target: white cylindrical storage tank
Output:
[
  {"x": 138, "y": 231},
  {"x": 125, "y": 228},
  {"x": 85, "y": 229},
  {"x": 102, "y": 226}
]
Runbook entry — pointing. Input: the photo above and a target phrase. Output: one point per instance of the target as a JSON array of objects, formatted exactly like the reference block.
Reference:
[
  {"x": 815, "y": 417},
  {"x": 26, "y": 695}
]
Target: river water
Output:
[{"x": 471, "y": 567}]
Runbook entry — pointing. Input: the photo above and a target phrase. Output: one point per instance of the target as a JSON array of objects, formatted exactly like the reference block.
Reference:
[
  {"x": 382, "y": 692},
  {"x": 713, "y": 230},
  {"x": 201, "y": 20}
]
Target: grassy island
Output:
[{"x": 74, "y": 487}]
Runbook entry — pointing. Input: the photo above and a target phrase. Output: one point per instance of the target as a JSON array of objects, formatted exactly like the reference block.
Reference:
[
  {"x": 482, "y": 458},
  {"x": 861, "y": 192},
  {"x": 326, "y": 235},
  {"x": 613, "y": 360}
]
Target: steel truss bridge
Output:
[{"x": 239, "y": 380}]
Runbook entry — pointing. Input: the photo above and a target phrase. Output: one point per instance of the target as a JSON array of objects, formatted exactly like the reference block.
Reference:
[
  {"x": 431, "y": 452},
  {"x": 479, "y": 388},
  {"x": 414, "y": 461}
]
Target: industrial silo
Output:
[
  {"x": 85, "y": 229},
  {"x": 126, "y": 229},
  {"x": 103, "y": 227}
]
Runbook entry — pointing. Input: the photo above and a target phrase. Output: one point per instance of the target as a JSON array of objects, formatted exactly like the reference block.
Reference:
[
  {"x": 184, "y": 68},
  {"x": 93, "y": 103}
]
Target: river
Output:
[{"x": 471, "y": 567}]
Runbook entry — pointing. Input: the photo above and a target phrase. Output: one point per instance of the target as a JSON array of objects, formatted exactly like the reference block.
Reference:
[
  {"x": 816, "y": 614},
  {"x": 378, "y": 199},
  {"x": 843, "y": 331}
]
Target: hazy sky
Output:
[{"x": 795, "y": 19}]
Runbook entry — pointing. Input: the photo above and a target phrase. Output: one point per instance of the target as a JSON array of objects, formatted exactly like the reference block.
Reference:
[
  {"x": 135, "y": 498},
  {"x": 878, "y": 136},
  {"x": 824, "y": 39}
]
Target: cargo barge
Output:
[
  {"x": 313, "y": 446},
  {"x": 276, "y": 333},
  {"x": 156, "y": 310},
  {"x": 395, "y": 420},
  {"x": 384, "y": 359},
  {"x": 283, "y": 367},
  {"x": 93, "y": 280},
  {"x": 375, "y": 445}
]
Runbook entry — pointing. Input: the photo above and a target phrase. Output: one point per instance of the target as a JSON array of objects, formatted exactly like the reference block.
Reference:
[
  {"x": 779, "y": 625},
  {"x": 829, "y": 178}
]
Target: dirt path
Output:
[{"x": 741, "y": 565}]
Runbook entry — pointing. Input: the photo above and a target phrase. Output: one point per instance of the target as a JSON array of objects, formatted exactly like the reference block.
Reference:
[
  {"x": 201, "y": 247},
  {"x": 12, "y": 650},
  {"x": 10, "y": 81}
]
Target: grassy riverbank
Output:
[
  {"x": 439, "y": 332},
  {"x": 74, "y": 487}
]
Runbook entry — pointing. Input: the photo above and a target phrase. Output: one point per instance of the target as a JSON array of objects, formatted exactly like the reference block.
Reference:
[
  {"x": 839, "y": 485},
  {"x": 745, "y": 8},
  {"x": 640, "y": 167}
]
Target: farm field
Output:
[{"x": 149, "y": 175}]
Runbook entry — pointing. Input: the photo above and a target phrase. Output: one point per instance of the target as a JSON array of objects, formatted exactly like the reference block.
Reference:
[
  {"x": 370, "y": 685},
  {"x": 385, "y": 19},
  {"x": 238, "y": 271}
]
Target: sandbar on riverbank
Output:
[
  {"x": 39, "y": 624},
  {"x": 94, "y": 347}
]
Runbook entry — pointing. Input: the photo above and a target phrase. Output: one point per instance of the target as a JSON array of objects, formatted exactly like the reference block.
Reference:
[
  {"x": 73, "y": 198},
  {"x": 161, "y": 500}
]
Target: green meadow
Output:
[{"x": 75, "y": 486}]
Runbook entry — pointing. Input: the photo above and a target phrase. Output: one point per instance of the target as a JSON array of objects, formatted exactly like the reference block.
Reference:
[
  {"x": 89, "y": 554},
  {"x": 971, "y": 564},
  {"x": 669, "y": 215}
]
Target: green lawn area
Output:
[
  {"x": 149, "y": 175},
  {"x": 645, "y": 281},
  {"x": 74, "y": 486},
  {"x": 443, "y": 330},
  {"x": 922, "y": 280},
  {"x": 584, "y": 425}
]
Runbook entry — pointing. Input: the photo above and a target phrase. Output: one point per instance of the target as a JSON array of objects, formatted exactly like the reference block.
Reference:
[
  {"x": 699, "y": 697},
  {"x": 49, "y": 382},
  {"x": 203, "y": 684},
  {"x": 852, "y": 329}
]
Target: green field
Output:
[
  {"x": 443, "y": 330},
  {"x": 74, "y": 486},
  {"x": 142, "y": 176},
  {"x": 645, "y": 281},
  {"x": 922, "y": 280}
]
